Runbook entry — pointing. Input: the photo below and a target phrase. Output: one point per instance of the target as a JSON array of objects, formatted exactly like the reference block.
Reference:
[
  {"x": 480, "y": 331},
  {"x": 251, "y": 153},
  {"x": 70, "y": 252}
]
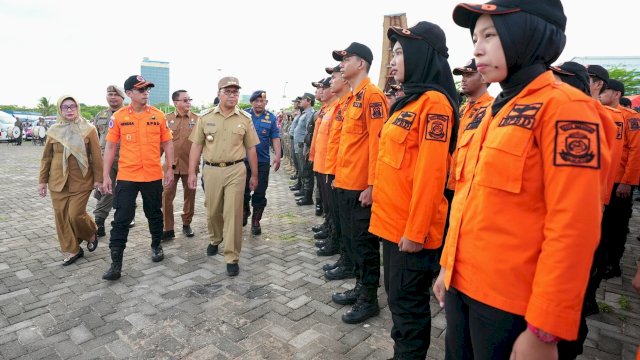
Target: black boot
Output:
[
  {"x": 100, "y": 232},
  {"x": 327, "y": 267},
  {"x": 340, "y": 273},
  {"x": 116, "y": 264},
  {"x": 255, "y": 221},
  {"x": 348, "y": 297},
  {"x": 318, "y": 228},
  {"x": 328, "y": 250},
  {"x": 365, "y": 307},
  {"x": 322, "y": 243},
  {"x": 319, "y": 210},
  {"x": 321, "y": 235},
  {"x": 306, "y": 200},
  {"x": 245, "y": 215}
]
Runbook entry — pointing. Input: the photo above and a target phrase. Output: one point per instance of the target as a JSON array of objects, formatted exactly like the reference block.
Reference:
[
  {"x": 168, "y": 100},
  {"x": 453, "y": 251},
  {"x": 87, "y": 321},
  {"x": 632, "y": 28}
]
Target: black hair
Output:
[{"x": 176, "y": 94}]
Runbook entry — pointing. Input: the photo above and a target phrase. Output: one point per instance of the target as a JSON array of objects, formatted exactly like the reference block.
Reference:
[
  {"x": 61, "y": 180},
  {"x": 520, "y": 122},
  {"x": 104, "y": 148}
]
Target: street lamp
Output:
[{"x": 284, "y": 90}]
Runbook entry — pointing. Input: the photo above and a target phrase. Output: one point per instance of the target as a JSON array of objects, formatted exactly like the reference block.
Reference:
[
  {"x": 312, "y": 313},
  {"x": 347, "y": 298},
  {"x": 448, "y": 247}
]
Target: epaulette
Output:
[
  {"x": 245, "y": 114},
  {"x": 205, "y": 112}
]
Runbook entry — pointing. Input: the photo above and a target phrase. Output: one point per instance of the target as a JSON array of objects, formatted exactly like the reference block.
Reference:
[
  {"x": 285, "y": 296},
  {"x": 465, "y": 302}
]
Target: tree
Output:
[
  {"x": 45, "y": 107},
  {"x": 630, "y": 79}
]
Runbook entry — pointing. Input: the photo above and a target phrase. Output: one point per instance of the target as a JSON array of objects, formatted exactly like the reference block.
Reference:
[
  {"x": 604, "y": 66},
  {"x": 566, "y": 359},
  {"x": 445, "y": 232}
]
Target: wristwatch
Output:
[{"x": 542, "y": 335}]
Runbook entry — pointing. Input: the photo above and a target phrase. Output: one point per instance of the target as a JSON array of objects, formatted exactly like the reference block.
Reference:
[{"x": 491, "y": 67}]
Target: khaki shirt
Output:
[
  {"x": 225, "y": 139},
  {"x": 101, "y": 122},
  {"x": 181, "y": 127}
]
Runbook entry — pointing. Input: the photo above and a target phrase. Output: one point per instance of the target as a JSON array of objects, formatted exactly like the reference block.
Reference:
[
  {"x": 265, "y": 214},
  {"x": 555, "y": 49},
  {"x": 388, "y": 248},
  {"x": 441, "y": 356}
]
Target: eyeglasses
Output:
[
  {"x": 185, "y": 100},
  {"x": 231, "y": 92},
  {"x": 68, "y": 107},
  {"x": 143, "y": 90}
]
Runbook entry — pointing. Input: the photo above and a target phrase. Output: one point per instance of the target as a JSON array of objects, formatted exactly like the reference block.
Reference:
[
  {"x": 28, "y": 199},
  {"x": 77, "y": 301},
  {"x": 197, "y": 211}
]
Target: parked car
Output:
[{"x": 6, "y": 122}]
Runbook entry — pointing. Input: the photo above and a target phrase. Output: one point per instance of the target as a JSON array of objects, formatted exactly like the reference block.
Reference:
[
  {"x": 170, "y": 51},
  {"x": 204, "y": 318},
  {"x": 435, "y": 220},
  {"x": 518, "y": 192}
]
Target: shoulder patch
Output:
[
  {"x": 577, "y": 144},
  {"x": 522, "y": 115},
  {"x": 620, "y": 126},
  {"x": 111, "y": 122},
  {"x": 437, "y": 126},
  {"x": 634, "y": 124},
  {"x": 375, "y": 110}
]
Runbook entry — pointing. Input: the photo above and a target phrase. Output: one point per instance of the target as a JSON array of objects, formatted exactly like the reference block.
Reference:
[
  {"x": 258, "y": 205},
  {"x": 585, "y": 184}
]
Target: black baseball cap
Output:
[
  {"x": 298, "y": 98},
  {"x": 569, "y": 68},
  {"x": 551, "y": 11},
  {"x": 428, "y": 32},
  {"x": 136, "y": 82},
  {"x": 355, "y": 48},
  {"x": 326, "y": 82},
  {"x": 468, "y": 68},
  {"x": 616, "y": 85},
  {"x": 330, "y": 70},
  {"x": 308, "y": 96},
  {"x": 599, "y": 72},
  {"x": 317, "y": 84},
  {"x": 256, "y": 94}
]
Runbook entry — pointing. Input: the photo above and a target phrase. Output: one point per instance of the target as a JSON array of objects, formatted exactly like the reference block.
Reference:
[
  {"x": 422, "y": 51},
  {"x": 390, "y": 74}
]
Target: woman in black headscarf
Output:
[
  {"x": 409, "y": 209},
  {"x": 525, "y": 219}
]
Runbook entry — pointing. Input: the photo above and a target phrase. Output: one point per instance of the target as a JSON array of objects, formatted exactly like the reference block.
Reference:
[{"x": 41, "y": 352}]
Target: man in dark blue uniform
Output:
[{"x": 266, "y": 126}]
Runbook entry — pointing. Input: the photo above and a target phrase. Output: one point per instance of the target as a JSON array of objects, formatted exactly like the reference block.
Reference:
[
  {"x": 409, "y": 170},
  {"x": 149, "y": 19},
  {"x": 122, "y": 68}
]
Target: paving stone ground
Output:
[{"x": 186, "y": 307}]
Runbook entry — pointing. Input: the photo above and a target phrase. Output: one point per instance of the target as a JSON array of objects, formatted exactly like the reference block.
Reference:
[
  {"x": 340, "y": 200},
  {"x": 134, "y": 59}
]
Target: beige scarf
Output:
[{"x": 71, "y": 134}]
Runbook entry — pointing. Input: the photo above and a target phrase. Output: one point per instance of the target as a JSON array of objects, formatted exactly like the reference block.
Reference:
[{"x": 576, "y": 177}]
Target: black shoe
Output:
[
  {"x": 73, "y": 259},
  {"x": 293, "y": 177},
  {"x": 319, "y": 211},
  {"x": 340, "y": 273},
  {"x": 168, "y": 235},
  {"x": 348, "y": 297},
  {"x": 212, "y": 250},
  {"x": 245, "y": 216},
  {"x": 303, "y": 202},
  {"x": 186, "y": 230},
  {"x": 157, "y": 254},
  {"x": 322, "y": 243},
  {"x": 361, "y": 311},
  {"x": 298, "y": 193},
  {"x": 327, "y": 267},
  {"x": 233, "y": 269},
  {"x": 591, "y": 308},
  {"x": 321, "y": 235},
  {"x": 328, "y": 251},
  {"x": 256, "y": 229},
  {"x": 116, "y": 265},
  {"x": 318, "y": 228},
  {"x": 132, "y": 223},
  {"x": 612, "y": 271},
  {"x": 100, "y": 232},
  {"x": 294, "y": 187}
]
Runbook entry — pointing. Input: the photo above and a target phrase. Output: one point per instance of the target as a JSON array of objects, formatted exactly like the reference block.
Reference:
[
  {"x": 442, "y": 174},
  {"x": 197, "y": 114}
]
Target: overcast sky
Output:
[{"x": 51, "y": 48}]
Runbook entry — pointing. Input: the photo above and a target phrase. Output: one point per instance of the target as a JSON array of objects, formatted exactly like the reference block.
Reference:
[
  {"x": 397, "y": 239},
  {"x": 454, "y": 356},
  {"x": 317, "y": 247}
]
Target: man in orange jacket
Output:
[
  {"x": 618, "y": 211},
  {"x": 343, "y": 268},
  {"x": 355, "y": 172}
]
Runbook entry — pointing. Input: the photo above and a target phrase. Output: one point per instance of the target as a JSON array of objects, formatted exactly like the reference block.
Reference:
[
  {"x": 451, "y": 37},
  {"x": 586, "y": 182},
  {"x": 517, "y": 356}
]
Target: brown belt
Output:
[{"x": 223, "y": 164}]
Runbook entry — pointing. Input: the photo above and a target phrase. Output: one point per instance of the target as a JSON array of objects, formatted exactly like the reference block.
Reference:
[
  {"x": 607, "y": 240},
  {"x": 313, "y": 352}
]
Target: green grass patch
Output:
[
  {"x": 605, "y": 308},
  {"x": 623, "y": 301},
  {"x": 287, "y": 237}
]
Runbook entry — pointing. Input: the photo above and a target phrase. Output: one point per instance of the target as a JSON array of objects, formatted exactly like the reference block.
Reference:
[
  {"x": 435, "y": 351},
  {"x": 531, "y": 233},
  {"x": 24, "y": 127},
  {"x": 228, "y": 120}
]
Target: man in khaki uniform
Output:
[
  {"x": 115, "y": 98},
  {"x": 224, "y": 136},
  {"x": 181, "y": 123}
]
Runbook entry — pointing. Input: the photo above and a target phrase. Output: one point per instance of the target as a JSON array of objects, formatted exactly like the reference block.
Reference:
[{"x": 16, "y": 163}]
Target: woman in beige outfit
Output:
[{"x": 71, "y": 165}]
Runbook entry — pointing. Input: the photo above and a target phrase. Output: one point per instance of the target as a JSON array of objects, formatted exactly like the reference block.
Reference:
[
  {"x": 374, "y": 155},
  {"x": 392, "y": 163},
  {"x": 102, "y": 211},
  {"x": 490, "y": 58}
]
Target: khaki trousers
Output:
[
  {"x": 169, "y": 194},
  {"x": 73, "y": 223},
  {"x": 223, "y": 200}
]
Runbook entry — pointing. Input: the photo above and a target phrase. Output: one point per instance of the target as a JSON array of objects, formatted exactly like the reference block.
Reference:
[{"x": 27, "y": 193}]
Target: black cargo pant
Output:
[
  {"x": 615, "y": 221},
  {"x": 259, "y": 197},
  {"x": 124, "y": 202},
  {"x": 478, "y": 331},
  {"x": 407, "y": 278},
  {"x": 332, "y": 197},
  {"x": 362, "y": 246}
]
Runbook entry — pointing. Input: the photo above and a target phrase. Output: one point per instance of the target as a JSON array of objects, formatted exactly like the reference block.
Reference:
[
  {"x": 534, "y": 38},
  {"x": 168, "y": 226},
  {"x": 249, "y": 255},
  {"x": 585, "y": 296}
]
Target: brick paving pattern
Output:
[{"x": 186, "y": 307}]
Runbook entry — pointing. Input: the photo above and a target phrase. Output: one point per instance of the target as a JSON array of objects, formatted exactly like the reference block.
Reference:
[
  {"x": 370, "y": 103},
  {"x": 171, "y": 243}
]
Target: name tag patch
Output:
[
  {"x": 521, "y": 115},
  {"x": 477, "y": 119},
  {"x": 577, "y": 144},
  {"x": 404, "y": 120}
]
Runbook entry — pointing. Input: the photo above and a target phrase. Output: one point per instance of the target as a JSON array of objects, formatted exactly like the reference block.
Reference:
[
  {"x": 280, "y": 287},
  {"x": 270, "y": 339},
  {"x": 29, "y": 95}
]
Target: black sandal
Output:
[
  {"x": 71, "y": 260},
  {"x": 92, "y": 245}
]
